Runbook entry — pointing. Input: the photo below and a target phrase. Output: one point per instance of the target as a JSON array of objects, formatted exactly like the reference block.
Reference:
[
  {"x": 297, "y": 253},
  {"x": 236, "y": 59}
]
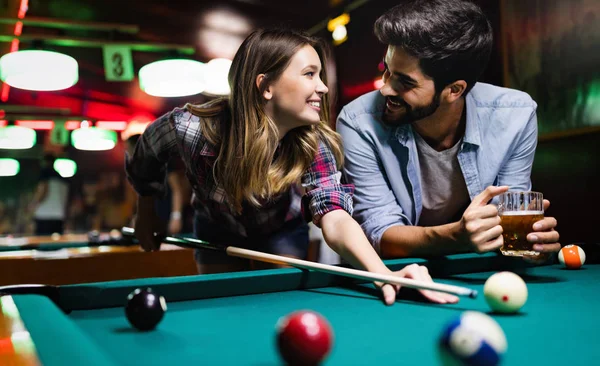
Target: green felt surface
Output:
[
  {"x": 559, "y": 324},
  {"x": 58, "y": 340},
  {"x": 43, "y": 247}
]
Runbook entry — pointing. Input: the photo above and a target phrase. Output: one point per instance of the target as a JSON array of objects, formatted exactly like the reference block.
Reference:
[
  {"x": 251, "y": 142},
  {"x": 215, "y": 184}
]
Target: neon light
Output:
[
  {"x": 14, "y": 45},
  {"x": 36, "y": 125},
  {"x": 112, "y": 125},
  {"x": 378, "y": 84},
  {"x": 18, "y": 28},
  {"x": 23, "y": 9},
  {"x": 72, "y": 125}
]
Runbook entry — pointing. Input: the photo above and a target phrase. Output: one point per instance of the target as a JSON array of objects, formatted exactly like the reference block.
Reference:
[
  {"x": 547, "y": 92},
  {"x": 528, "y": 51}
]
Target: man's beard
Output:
[{"x": 412, "y": 115}]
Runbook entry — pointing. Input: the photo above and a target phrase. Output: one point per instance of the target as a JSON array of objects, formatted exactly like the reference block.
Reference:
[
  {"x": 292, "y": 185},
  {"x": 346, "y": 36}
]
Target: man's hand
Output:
[
  {"x": 480, "y": 223},
  {"x": 544, "y": 238}
]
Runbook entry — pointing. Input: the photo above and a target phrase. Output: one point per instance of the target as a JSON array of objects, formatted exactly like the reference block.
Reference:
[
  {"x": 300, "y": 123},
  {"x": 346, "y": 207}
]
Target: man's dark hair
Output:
[{"x": 451, "y": 38}]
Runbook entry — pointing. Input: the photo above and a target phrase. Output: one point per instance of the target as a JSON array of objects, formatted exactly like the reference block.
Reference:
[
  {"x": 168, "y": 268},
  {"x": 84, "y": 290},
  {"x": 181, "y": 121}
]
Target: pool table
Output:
[
  {"x": 229, "y": 319},
  {"x": 71, "y": 259}
]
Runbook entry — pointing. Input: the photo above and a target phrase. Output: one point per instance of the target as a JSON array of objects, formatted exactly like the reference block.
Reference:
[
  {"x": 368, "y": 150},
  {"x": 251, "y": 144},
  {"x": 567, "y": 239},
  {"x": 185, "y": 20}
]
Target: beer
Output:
[
  {"x": 518, "y": 212},
  {"x": 516, "y": 225}
]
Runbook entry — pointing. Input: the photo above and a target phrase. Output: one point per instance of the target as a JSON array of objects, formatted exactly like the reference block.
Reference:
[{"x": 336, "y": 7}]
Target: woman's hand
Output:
[
  {"x": 419, "y": 273},
  {"x": 147, "y": 223}
]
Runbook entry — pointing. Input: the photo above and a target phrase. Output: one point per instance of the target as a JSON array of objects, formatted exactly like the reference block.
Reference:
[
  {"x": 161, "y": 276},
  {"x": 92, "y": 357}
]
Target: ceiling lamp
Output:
[
  {"x": 9, "y": 167},
  {"x": 65, "y": 167},
  {"x": 217, "y": 72},
  {"x": 337, "y": 27},
  {"x": 17, "y": 138},
  {"x": 38, "y": 70},
  {"x": 93, "y": 139},
  {"x": 172, "y": 78}
]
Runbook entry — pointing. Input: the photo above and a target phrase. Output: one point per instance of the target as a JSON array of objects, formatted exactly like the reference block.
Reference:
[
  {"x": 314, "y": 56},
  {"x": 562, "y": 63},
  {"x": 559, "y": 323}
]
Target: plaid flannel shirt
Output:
[{"x": 178, "y": 133}]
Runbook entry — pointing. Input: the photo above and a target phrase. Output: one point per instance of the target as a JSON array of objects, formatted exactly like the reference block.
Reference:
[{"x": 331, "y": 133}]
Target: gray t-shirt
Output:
[{"x": 445, "y": 195}]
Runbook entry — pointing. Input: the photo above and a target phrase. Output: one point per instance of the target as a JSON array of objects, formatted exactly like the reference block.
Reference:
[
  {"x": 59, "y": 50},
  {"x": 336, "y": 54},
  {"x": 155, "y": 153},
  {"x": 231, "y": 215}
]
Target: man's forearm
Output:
[{"x": 414, "y": 241}]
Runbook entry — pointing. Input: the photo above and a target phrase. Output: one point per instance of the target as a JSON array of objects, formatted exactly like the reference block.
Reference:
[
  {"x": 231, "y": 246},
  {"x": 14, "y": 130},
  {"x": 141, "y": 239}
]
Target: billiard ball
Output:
[
  {"x": 571, "y": 256},
  {"x": 472, "y": 338},
  {"x": 145, "y": 309},
  {"x": 115, "y": 236},
  {"x": 505, "y": 292},
  {"x": 55, "y": 236},
  {"x": 94, "y": 237},
  {"x": 304, "y": 338}
]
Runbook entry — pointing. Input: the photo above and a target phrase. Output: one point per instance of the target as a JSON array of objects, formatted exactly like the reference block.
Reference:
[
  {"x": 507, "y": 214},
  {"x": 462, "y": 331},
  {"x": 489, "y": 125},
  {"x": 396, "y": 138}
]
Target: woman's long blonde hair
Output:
[{"x": 247, "y": 139}]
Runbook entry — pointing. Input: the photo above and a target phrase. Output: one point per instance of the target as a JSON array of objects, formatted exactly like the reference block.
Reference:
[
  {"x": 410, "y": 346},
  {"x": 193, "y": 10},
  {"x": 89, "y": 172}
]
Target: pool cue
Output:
[{"x": 320, "y": 267}]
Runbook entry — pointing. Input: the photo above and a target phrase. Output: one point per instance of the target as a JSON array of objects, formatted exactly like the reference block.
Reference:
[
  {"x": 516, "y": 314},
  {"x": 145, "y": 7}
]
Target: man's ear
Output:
[
  {"x": 267, "y": 94},
  {"x": 455, "y": 90}
]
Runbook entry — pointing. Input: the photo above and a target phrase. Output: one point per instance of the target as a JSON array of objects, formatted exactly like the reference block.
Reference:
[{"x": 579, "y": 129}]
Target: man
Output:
[
  {"x": 49, "y": 202},
  {"x": 430, "y": 149}
]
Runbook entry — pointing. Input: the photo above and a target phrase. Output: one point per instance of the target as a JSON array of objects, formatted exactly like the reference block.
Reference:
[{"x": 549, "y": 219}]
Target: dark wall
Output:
[
  {"x": 358, "y": 58},
  {"x": 567, "y": 172}
]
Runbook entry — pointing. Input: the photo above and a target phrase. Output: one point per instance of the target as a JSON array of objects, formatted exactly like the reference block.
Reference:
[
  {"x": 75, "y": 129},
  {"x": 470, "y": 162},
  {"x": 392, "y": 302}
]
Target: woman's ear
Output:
[{"x": 267, "y": 92}]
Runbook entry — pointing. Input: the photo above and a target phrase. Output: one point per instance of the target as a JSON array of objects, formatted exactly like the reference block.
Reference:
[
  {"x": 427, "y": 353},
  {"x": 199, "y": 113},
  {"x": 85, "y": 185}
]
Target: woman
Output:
[{"x": 261, "y": 162}]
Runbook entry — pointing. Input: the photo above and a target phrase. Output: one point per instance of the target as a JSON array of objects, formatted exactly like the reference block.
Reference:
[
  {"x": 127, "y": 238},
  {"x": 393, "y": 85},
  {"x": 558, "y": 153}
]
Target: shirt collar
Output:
[{"x": 472, "y": 135}]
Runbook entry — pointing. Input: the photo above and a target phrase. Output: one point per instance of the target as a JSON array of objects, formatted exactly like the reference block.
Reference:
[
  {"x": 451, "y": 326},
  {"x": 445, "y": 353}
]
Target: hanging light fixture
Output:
[
  {"x": 39, "y": 70},
  {"x": 93, "y": 139},
  {"x": 337, "y": 27},
  {"x": 9, "y": 167},
  {"x": 65, "y": 167},
  {"x": 217, "y": 72},
  {"x": 172, "y": 78},
  {"x": 17, "y": 138}
]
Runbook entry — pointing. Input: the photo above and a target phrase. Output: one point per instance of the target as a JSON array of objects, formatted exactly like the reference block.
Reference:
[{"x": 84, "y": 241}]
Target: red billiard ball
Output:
[
  {"x": 304, "y": 338},
  {"x": 145, "y": 309}
]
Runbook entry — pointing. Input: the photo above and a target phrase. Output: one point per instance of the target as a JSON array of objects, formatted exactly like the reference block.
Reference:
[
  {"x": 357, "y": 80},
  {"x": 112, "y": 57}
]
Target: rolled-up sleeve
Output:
[
  {"x": 324, "y": 190},
  {"x": 146, "y": 168}
]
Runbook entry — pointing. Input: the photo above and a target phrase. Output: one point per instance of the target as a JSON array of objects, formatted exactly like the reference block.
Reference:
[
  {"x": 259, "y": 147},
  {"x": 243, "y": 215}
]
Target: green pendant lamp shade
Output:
[
  {"x": 9, "y": 167},
  {"x": 17, "y": 138},
  {"x": 93, "y": 139},
  {"x": 172, "y": 78},
  {"x": 39, "y": 70},
  {"x": 65, "y": 167}
]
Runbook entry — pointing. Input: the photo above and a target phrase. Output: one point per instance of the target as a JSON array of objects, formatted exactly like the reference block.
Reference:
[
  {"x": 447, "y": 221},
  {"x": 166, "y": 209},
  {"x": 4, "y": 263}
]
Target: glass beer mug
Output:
[{"x": 518, "y": 212}]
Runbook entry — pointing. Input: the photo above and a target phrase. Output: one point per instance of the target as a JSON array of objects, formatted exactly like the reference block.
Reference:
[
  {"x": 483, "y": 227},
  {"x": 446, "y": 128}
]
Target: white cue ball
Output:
[{"x": 505, "y": 292}]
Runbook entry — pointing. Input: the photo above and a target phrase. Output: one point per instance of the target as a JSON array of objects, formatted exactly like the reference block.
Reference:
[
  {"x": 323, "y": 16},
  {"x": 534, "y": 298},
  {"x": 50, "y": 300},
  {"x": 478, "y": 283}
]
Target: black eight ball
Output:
[{"x": 145, "y": 308}]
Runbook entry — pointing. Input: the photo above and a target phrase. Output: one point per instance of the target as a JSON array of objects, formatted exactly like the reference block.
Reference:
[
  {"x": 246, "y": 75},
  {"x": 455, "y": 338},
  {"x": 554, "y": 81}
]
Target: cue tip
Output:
[{"x": 473, "y": 294}]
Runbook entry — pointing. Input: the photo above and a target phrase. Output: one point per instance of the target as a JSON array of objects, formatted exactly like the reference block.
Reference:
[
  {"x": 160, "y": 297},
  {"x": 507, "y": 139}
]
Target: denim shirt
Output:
[{"x": 382, "y": 161}]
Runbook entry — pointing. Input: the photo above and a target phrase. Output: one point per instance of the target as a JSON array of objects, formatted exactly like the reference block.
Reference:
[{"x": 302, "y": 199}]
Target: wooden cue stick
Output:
[
  {"x": 320, "y": 267},
  {"x": 350, "y": 272}
]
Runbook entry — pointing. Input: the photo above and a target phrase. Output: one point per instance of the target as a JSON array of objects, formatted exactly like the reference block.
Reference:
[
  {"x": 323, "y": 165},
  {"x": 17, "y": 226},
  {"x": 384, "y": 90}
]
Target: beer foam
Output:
[{"x": 521, "y": 213}]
